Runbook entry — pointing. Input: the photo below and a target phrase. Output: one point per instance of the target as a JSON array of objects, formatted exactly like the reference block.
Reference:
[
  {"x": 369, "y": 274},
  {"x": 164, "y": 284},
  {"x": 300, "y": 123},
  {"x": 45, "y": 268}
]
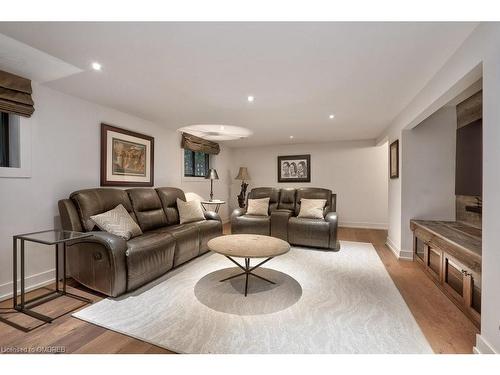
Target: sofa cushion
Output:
[
  {"x": 266, "y": 192},
  {"x": 258, "y": 207},
  {"x": 314, "y": 193},
  {"x": 312, "y": 208},
  {"x": 308, "y": 232},
  {"x": 208, "y": 229},
  {"x": 118, "y": 222},
  {"x": 251, "y": 224},
  {"x": 168, "y": 197},
  {"x": 187, "y": 241},
  {"x": 189, "y": 211},
  {"x": 90, "y": 202},
  {"x": 148, "y": 257},
  {"x": 148, "y": 208},
  {"x": 287, "y": 199}
]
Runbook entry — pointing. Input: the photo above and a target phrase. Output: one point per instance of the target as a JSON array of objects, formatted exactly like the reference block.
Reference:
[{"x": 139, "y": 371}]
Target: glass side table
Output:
[
  {"x": 216, "y": 202},
  {"x": 59, "y": 238}
]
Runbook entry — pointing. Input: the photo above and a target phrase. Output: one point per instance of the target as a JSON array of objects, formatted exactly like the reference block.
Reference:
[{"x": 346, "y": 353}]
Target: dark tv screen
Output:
[{"x": 469, "y": 162}]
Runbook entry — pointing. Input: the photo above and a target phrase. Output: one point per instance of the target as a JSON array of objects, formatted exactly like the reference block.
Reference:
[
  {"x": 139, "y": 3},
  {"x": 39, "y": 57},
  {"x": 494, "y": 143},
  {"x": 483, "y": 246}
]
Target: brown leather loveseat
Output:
[
  {"x": 282, "y": 222},
  {"x": 109, "y": 264}
]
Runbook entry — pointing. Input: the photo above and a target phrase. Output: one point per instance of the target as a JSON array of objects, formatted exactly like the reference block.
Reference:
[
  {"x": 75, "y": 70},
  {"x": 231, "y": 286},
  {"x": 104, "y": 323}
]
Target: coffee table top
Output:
[{"x": 248, "y": 246}]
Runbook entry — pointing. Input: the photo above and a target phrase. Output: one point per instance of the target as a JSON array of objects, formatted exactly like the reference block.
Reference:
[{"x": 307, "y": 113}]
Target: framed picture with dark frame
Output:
[
  {"x": 127, "y": 157},
  {"x": 394, "y": 159},
  {"x": 294, "y": 168}
]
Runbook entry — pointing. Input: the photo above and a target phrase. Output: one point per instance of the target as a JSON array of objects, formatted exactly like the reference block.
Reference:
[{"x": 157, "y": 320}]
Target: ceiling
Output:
[{"x": 180, "y": 74}]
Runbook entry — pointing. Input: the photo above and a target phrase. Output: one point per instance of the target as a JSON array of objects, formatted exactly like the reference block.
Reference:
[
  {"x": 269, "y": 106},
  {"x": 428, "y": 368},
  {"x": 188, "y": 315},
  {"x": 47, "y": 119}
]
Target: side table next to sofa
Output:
[{"x": 59, "y": 238}]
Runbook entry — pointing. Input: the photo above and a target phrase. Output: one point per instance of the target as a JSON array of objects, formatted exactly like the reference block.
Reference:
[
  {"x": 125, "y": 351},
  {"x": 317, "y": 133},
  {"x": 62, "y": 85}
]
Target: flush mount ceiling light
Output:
[
  {"x": 214, "y": 132},
  {"x": 332, "y": 116},
  {"x": 250, "y": 98},
  {"x": 96, "y": 66}
]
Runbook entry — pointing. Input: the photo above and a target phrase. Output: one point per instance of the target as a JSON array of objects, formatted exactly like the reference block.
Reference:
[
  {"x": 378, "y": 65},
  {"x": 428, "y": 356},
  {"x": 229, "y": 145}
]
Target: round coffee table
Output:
[{"x": 248, "y": 246}]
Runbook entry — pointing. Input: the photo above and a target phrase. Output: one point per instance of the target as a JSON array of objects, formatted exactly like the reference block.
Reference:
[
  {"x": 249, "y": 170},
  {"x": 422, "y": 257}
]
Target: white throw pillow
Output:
[
  {"x": 118, "y": 222},
  {"x": 312, "y": 208},
  {"x": 190, "y": 211},
  {"x": 258, "y": 207}
]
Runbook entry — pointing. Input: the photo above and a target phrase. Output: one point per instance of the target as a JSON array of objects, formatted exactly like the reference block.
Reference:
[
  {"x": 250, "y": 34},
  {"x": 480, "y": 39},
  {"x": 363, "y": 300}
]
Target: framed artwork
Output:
[
  {"x": 127, "y": 158},
  {"x": 394, "y": 159},
  {"x": 294, "y": 168}
]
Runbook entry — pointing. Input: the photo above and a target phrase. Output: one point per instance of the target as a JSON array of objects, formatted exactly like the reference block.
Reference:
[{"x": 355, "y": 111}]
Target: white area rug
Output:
[{"x": 323, "y": 302}]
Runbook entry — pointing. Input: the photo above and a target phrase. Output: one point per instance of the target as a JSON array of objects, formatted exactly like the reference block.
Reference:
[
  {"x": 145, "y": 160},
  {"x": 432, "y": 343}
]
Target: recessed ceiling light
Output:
[
  {"x": 250, "y": 98},
  {"x": 291, "y": 137},
  {"x": 331, "y": 116},
  {"x": 96, "y": 66},
  {"x": 222, "y": 127}
]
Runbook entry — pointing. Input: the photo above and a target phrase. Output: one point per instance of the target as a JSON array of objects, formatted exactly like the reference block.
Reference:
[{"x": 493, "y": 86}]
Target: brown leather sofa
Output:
[
  {"x": 113, "y": 266},
  {"x": 282, "y": 222}
]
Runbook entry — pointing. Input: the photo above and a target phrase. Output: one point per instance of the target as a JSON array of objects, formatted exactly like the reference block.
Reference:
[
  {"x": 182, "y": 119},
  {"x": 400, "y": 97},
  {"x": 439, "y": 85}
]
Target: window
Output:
[
  {"x": 9, "y": 140},
  {"x": 196, "y": 164}
]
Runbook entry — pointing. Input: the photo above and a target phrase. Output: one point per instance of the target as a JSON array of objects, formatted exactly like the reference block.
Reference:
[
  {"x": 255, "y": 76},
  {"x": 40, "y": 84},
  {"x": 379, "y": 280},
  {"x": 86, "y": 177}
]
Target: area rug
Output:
[{"x": 322, "y": 302}]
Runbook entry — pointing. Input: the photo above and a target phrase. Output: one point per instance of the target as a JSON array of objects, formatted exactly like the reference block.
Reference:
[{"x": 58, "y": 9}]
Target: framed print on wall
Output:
[
  {"x": 294, "y": 168},
  {"x": 127, "y": 158},
  {"x": 394, "y": 159}
]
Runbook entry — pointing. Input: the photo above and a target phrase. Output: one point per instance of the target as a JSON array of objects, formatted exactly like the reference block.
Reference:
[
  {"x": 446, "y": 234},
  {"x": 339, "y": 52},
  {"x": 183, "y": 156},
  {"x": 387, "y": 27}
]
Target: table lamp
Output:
[
  {"x": 242, "y": 175},
  {"x": 212, "y": 175}
]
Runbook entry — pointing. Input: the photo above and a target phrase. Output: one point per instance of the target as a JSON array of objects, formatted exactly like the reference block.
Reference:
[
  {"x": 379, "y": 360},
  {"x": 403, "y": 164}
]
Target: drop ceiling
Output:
[{"x": 179, "y": 74}]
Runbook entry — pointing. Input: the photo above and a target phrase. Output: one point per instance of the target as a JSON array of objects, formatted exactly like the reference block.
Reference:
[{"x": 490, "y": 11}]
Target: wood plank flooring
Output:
[{"x": 443, "y": 324}]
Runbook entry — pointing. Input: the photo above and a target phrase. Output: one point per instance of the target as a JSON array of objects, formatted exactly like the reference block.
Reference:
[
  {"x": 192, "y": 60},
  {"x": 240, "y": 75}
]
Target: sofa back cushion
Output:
[
  {"x": 314, "y": 193},
  {"x": 148, "y": 208},
  {"x": 266, "y": 192},
  {"x": 168, "y": 197},
  {"x": 90, "y": 202},
  {"x": 287, "y": 199}
]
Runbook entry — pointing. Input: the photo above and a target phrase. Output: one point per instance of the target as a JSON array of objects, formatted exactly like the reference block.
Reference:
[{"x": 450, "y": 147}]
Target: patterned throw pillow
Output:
[
  {"x": 190, "y": 211},
  {"x": 258, "y": 207},
  {"x": 312, "y": 208},
  {"x": 119, "y": 222}
]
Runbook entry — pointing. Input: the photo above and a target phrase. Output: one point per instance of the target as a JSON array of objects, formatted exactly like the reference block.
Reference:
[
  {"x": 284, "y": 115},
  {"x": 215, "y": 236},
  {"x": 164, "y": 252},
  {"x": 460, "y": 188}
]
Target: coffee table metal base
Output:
[{"x": 247, "y": 270}]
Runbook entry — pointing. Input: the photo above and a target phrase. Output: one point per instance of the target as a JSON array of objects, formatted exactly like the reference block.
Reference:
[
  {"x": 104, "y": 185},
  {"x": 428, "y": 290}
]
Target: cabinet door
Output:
[
  {"x": 433, "y": 262},
  {"x": 420, "y": 250},
  {"x": 453, "y": 278},
  {"x": 472, "y": 294}
]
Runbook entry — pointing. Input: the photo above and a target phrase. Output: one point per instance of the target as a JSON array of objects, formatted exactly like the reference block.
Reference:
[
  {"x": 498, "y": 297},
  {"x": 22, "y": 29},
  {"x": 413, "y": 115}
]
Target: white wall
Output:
[
  {"x": 66, "y": 157},
  {"x": 356, "y": 171},
  {"x": 478, "y": 56},
  {"x": 428, "y": 173}
]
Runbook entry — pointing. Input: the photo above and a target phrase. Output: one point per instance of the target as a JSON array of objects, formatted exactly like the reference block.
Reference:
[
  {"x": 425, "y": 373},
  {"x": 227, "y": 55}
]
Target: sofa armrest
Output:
[
  {"x": 238, "y": 212},
  {"x": 212, "y": 215},
  {"x": 279, "y": 223},
  {"x": 100, "y": 262},
  {"x": 332, "y": 219}
]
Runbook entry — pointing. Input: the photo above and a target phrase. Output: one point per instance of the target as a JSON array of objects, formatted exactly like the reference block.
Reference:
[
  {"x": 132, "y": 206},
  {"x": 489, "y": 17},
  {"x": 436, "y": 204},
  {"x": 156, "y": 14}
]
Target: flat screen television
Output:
[{"x": 469, "y": 160}]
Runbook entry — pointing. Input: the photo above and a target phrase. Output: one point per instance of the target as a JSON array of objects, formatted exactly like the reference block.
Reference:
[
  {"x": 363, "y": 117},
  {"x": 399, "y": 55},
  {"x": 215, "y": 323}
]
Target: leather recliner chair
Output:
[
  {"x": 113, "y": 266},
  {"x": 283, "y": 221}
]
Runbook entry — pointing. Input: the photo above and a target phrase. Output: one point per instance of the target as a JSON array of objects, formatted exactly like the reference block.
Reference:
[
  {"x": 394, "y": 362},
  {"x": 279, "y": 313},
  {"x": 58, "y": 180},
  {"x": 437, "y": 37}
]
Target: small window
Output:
[
  {"x": 9, "y": 140},
  {"x": 196, "y": 164}
]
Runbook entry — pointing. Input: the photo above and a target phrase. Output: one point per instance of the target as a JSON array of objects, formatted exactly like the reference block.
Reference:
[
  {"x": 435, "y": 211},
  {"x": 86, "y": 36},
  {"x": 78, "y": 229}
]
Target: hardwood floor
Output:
[{"x": 443, "y": 324}]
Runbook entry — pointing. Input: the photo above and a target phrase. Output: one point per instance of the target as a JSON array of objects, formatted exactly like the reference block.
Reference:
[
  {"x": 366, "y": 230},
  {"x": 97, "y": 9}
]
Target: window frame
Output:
[{"x": 207, "y": 163}]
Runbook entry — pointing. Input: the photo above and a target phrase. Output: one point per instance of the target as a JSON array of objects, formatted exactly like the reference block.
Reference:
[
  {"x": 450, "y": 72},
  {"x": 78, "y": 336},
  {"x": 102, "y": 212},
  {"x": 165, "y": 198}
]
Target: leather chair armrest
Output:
[
  {"x": 212, "y": 215},
  {"x": 99, "y": 262},
  {"x": 332, "y": 219},
  {"x": 238, "y": 212},
  {"x": 279, "y": 223}
]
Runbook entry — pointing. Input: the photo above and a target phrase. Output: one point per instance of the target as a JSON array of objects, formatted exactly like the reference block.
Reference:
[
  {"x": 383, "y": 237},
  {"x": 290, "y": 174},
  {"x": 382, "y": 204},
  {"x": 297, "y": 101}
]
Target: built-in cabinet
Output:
[{"x": 450, "y": 254}]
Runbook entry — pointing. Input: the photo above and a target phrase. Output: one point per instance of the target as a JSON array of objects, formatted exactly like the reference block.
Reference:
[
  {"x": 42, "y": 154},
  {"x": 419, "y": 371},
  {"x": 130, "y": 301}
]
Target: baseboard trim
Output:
[
  {"x": 400, "y": 254},
  {"x": 363, "y": 225},
  {"x": 482, "y": 346},
  {"x": 32, "y": 282}
]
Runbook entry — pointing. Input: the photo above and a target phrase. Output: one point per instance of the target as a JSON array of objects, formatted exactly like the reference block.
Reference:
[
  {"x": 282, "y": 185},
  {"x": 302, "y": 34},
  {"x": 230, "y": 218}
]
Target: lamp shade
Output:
[
  {"x": 243, "y": 174},
  {"x": 212, "y": 174}
]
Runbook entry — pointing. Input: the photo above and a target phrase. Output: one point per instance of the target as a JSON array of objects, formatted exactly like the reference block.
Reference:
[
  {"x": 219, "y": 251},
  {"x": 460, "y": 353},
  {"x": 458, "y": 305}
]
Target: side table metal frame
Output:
[
  {"x": 217, "y": 205},
  {"x": 25, "y": 306}
]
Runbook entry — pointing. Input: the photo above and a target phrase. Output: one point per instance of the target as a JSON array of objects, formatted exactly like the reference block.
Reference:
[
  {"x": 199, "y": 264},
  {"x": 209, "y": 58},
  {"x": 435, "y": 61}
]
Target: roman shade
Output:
[
  {"x": 194, "y": 143},
  {"x": 15, "y": 95}
]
